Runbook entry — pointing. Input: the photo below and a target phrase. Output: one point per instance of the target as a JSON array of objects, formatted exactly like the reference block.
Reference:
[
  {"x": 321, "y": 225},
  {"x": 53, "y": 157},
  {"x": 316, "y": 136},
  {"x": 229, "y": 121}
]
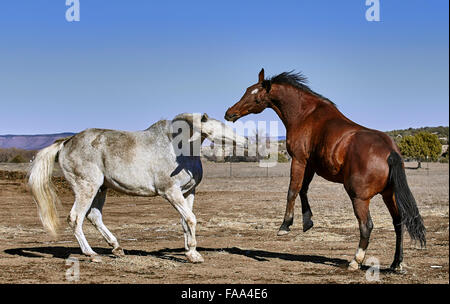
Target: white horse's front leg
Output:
[
  {"x": 188, "y": 220},
  {"x": 190, "y": 202}
]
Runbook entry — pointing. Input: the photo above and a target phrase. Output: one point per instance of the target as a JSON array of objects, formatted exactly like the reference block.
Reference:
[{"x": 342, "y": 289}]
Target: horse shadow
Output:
[
  {"x": 177, "y": 254},
  {"x": 64, "y": 253}
]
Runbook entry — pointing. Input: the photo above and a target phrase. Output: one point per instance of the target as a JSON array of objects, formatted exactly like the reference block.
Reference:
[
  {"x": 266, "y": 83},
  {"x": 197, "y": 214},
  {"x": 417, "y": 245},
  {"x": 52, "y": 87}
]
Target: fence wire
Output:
[{"x": 244, "y": 169}]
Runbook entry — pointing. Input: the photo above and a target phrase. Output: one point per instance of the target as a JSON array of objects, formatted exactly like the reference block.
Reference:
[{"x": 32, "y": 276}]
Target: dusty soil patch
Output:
[{"x": 238, "y": 218}]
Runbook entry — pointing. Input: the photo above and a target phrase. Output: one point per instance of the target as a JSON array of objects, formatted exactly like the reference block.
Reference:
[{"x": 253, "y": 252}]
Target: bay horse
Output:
[
  {"x": 321, "y": 140},
  {"x": 143, "y": 163}
]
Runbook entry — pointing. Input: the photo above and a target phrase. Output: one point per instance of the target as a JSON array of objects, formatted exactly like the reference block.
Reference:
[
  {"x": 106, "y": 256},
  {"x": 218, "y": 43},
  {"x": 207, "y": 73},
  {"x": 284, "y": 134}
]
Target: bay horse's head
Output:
[{"x": 255, "y": 100}]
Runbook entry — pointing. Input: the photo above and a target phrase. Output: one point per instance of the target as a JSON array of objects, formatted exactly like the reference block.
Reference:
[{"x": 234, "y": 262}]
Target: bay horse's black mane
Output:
[{"x": 297, "y": 80}]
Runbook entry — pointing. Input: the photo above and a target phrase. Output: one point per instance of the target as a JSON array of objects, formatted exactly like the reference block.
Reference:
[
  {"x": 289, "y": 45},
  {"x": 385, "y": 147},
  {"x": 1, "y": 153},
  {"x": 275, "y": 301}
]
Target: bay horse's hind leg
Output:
[
  {"x": 95, "y": 217},
  {"x": 389, "y": 200},
  {"x": 361, "y": 209}
]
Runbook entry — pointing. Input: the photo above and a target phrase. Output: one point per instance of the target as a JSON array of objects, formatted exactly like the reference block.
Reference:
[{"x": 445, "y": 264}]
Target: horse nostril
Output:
[{"x": 229, "y": 117}]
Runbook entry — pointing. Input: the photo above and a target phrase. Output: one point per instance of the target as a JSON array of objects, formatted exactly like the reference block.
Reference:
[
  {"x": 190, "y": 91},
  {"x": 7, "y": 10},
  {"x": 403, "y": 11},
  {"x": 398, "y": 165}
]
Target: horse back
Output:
[
  {"x": 139, "y": 163},
  {"x": 341, "y": 142}
]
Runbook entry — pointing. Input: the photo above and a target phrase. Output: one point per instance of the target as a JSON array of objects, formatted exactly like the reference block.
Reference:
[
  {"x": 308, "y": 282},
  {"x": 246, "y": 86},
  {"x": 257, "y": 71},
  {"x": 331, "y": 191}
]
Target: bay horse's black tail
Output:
[{"x": 404, "y": 199}]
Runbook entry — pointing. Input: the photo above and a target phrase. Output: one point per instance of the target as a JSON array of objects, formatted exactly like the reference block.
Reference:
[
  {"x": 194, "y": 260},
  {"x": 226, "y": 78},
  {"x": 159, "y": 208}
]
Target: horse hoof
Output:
[
  {"x": 96, "y": 258},
  {"x": 398, "y": 268},
  {"x": 353, "y": 266},
  {"x": 307, "y": 225},
  {"x": 282, "y": 232},
  {"x": 194, "y": 257},
  {"x": 118, "y": 252}
]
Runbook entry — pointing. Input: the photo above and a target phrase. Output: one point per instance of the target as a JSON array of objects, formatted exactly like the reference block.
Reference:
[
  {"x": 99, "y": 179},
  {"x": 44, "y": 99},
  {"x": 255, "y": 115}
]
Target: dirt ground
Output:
[{"x": 238, "y": 218}]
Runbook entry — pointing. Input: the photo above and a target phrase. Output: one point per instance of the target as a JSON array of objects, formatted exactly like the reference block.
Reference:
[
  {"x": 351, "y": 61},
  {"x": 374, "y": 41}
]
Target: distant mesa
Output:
[{"x": 30, "y": 142}]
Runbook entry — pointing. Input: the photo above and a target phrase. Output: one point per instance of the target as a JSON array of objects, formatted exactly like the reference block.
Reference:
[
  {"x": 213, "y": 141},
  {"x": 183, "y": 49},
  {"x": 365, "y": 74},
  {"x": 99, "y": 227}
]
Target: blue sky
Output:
[{"x": 127, "y": 64}]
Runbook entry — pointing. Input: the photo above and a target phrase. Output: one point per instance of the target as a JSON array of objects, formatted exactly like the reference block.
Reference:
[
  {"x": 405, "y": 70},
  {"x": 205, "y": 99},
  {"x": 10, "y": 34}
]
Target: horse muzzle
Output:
[{"x": 231, "y": 116}]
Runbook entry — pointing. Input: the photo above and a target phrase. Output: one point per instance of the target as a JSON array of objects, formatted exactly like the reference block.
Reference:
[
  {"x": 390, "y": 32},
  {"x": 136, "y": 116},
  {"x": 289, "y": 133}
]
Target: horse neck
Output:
[{"x": 291, "y": 104}]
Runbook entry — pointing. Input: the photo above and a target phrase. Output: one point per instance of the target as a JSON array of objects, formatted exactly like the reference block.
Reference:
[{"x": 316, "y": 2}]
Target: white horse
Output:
[{"x": 160, "y": 160}]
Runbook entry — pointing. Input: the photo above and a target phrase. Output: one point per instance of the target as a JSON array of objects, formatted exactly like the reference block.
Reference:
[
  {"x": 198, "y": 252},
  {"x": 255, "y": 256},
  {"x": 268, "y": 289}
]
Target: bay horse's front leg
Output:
[
  {"x": 297, "y": 174},
  {"x": 306, "y": 209}
]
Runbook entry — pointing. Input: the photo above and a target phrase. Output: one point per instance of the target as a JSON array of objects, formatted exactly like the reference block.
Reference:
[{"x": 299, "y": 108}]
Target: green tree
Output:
[
  {"x": 408, "y": 146},
  {"x": 422, "y": 146}
]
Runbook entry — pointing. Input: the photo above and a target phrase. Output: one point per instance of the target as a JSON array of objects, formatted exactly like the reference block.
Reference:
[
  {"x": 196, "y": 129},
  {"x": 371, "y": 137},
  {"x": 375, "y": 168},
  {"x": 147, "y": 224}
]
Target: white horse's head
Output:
[
  {"x": 205, "y": 127},
  {"x": 216, "y": 130}
]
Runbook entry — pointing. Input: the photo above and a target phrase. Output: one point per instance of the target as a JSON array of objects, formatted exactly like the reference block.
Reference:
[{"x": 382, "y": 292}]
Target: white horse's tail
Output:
[{"x": 42, "y": 189}]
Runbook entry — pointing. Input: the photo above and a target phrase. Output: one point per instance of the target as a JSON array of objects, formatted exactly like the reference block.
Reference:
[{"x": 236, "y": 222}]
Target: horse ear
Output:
[
  {"x": 266, "y": 85},
  {"x": 205, "y": 117},
  {"x": 261, "y": 76}
]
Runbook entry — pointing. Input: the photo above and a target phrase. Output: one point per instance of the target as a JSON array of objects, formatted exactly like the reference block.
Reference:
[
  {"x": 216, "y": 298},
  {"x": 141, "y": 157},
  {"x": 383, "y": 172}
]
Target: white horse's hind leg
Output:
[
  {"x": 190, "y": 204},
  {"x": 84, "y": 195},
  {"x": 176, "y": 198},
  {"x": 95, "y": 217}
]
